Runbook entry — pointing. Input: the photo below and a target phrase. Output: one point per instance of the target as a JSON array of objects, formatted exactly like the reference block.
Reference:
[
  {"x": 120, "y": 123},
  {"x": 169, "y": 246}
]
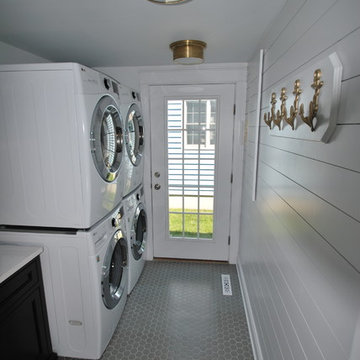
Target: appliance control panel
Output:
[
  {"x": 111, "y": 85},
  {"x": 117, "y": 218}
]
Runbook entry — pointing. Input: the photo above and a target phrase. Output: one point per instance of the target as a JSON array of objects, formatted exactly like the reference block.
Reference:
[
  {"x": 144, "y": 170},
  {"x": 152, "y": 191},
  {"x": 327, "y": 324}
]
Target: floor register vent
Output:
[{"x": 226, "y": 284}]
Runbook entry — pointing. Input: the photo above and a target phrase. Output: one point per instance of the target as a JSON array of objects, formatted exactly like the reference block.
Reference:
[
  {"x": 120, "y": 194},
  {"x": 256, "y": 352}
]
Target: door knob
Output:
[{"x": 157, "y": 186}]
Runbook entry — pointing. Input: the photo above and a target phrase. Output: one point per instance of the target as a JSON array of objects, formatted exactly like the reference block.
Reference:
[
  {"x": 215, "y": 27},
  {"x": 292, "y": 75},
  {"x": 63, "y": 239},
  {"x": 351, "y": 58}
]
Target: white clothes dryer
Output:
[
  {"x": 136, "y": 223},
  {"x": 61, "y": 145},
  {"x": 85, "y": 277},
  {"x": 134, "y": 139}
]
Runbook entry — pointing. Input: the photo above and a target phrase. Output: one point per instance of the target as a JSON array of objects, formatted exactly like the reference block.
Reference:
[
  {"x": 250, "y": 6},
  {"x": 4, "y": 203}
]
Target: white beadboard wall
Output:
[{"x": 299, "y": 254}]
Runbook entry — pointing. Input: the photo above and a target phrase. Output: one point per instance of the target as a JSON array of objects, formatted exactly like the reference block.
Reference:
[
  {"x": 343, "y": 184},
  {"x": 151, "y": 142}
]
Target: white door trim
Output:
[
  {"x": 165, "y": 245},
  {"x": 202, "y": 74}
]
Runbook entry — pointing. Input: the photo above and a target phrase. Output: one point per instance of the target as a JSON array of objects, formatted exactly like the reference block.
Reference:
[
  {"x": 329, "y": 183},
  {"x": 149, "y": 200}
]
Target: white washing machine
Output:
[
  {"x": 61, "y": 145},
  {"x": 134, "y": 139},
  {"x": 136, "y": 223},
  {"x": 85, "y": 281}
]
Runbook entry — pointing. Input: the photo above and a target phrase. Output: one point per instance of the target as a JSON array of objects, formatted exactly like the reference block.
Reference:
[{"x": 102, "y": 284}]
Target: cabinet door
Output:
[{"x": 22, "y": 331}]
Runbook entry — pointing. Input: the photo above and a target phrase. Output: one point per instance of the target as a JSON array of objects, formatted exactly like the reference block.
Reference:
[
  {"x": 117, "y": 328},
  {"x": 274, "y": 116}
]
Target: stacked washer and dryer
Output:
[
  {"x": 133, "y": 197},
  {"x": 62, "y": 181}
]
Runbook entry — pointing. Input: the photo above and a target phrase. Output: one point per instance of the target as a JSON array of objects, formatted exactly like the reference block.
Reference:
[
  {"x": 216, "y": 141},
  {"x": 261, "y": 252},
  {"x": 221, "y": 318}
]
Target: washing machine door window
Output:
[
  {"x": 106, "y": 138},
  {"x": 134, "y": 134},
  {"x": 138, "y": 237},
  {"x": 113, "y": 280}
]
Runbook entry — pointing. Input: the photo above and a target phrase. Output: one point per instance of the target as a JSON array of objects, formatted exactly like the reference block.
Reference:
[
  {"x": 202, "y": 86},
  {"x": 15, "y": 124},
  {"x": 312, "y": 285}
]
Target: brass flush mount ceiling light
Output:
[
  {"x": 188, "y": 52},
  {"x": 169, "y": 2}
]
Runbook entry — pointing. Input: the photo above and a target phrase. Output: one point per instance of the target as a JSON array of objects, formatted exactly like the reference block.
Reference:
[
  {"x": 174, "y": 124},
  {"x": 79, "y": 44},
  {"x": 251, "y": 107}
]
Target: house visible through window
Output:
[
  {"x": 200, "y": 122},
  {"x": 191, "y": 167}
]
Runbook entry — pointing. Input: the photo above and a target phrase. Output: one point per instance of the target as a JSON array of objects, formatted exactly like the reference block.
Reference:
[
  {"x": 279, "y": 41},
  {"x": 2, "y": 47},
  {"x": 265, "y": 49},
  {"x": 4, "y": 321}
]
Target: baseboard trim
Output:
[{"x": 254, "y": 337}]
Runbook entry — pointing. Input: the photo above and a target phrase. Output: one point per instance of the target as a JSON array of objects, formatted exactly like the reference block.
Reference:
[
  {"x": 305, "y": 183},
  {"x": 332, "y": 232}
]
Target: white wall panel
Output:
[
  {"x": 349, "y": 111},
  {"x": 251, "y": 103},
  {"x": 252, "y": 129},
  {"x": 339, "y": 151},
  {"x": 252, "y": 88},
  {"x": 253, "y": 71},
  {"x": 315, "y": 291},
  {"x": 344, "y": 14},
  {"x": 252, "y": 118},
  {"x": 349, "y": 54},
  {"x": 299, "y": 254},
  {"x": 287, "y": 14},
  {"x": 340, "y": 230},
  {"x": 250, "y": 151},
  {"x": 309, "y": 14},
  {"x": 335, "y": 185},
  {"x": 258, "y": 233},
  {"x": 312, "y": 260}
]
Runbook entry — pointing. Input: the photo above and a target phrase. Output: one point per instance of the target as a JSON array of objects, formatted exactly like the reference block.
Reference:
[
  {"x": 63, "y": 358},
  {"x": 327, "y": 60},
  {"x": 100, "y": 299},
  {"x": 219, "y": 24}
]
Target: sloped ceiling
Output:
[{"x": 134, "y": 32}]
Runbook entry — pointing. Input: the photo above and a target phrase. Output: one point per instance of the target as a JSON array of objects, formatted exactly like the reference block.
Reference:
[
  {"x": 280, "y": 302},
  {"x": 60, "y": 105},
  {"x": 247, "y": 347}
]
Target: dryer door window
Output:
[
  {"x": 138, "y": 238},
  {"x": 106, "y": 138},
  {"x": 134, "y": 134},
  {"x": 113, "y": 271}
]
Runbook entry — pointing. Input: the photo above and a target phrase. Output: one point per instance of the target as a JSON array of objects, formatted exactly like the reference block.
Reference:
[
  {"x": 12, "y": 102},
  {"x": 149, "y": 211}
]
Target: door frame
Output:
[
  {"x": 165, "y": 245},
  {"x": 233, "y": 73}
]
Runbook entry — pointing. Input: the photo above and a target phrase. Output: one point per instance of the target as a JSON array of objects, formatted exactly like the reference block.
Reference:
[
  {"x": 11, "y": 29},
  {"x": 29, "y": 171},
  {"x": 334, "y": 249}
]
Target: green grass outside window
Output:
[{"x": 190, "y": 224}]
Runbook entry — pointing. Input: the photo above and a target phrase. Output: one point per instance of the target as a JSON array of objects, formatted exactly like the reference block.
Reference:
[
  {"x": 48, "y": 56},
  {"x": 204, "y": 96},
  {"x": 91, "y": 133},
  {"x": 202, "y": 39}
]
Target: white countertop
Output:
[{"x": 14, "y": 257}]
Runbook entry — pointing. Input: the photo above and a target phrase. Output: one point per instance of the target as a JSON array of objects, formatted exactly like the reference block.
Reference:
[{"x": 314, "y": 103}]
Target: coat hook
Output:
[
  {"x": 294, "y": 108},
  {"x": 283, "y": 99},
  {"x": 314, "y": 104},
  {"x": 270, "y": 118},
  {"x": 280, "y": 114},
  {"x": 267, "y": 121}
]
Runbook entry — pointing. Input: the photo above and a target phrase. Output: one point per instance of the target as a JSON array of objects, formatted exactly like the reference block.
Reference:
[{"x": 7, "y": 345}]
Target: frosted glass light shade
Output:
[{"x": 188, "y": 52}]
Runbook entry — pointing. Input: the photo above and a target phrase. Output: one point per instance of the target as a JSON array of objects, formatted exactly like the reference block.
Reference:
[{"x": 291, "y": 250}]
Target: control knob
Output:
[
  {"x": 107, "y": 83},
  {"x": 116, "y": 220}
]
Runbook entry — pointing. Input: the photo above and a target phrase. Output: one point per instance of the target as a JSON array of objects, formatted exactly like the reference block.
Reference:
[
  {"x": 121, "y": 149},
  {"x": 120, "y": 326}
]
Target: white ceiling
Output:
[{"x": 134, "y": 32}]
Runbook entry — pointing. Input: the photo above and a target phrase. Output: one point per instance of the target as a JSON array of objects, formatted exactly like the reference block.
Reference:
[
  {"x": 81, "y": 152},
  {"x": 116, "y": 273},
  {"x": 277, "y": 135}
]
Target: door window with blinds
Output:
[{"x": 191, "y": 133}]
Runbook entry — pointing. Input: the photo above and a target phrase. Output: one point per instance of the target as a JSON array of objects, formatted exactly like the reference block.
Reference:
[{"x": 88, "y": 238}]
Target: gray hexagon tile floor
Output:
[{"x": 177, "y": 312}]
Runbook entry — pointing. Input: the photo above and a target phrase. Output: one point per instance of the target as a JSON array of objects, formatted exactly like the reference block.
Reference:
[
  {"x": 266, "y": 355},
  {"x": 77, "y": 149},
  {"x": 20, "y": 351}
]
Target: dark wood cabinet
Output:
[{"x": 24, "y": 329}]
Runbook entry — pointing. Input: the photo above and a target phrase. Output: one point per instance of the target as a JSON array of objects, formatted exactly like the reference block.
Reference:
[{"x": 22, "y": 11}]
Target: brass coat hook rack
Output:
[
  {"x": 305, "y": 104},
  {"x": 314, "y": 104}
]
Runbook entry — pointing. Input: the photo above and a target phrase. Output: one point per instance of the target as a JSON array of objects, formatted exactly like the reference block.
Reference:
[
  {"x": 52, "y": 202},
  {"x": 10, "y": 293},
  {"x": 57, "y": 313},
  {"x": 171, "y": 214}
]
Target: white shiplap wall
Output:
[{"x": 299, "y": 254}]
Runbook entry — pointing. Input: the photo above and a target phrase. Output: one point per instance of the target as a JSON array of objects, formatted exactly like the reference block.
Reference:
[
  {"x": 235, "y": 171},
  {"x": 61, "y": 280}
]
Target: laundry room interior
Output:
[{"x": 178, "y": 179}]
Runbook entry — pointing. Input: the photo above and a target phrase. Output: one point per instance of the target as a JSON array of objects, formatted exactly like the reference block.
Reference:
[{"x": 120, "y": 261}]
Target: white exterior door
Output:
[{"x": 191, "y": 160}]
